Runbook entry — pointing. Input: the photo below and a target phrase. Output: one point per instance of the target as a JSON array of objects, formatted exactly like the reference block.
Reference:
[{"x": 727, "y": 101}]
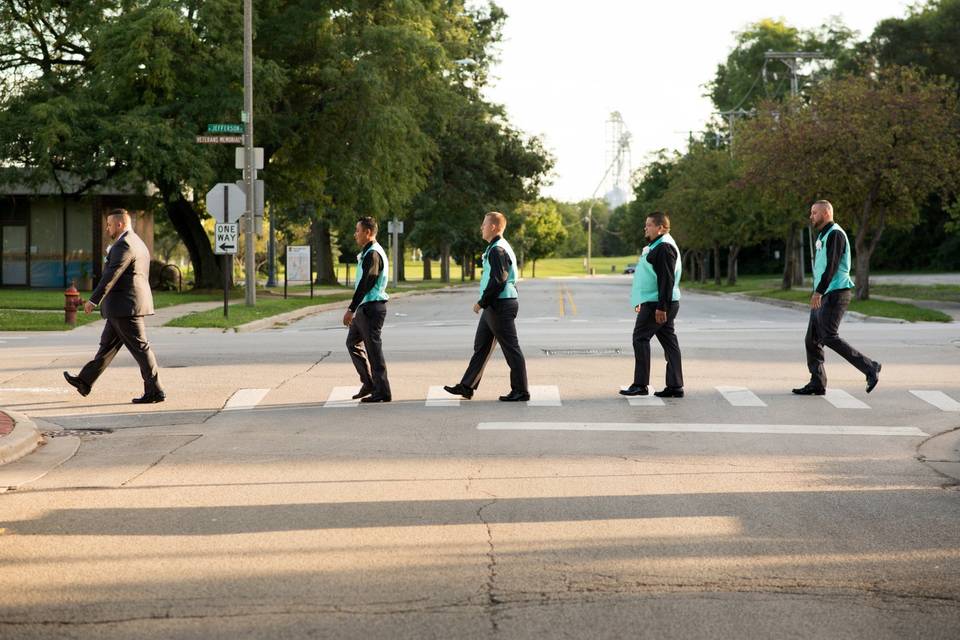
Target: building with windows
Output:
[{"x": 51, "y": 240}]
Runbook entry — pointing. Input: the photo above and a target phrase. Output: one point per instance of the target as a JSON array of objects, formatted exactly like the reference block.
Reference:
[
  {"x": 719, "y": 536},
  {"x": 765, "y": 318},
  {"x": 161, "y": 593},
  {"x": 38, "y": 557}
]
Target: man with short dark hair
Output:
[
  {"x": 655, "y": 297},
  {"x": 498, "y": 302},
  {"x": 831, "y": 296},
  {"x": 124, "y": 297},
  {"x": 367, "y": 311}
]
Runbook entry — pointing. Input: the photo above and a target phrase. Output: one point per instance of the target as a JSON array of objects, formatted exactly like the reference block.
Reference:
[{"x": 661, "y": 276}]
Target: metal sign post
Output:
[{"x": 395, "y": 228}]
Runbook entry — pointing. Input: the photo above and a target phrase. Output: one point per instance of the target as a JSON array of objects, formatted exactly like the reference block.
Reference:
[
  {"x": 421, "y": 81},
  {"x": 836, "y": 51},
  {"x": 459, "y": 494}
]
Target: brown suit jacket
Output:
[{"x": 124, "y": 287}]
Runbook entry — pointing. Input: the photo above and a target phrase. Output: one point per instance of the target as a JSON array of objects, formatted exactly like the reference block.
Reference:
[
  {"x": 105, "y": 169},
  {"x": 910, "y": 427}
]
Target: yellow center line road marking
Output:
[
  {"x": 562, "y": 312},
  {"x": 573, "y": 307}
]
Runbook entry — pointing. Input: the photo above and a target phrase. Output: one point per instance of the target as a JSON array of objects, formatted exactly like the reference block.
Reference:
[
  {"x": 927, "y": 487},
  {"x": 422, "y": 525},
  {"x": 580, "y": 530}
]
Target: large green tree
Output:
[
  {"x": 875, "y": 146},
  {"x": 540, "y": 231}
]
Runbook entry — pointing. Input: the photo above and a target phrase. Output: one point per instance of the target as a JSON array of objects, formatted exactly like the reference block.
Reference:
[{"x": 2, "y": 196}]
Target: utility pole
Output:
[
  {"x": 731, "y": 117},
  {"x": 249, "y": 172},
  {"x": 792, "y": 59}
]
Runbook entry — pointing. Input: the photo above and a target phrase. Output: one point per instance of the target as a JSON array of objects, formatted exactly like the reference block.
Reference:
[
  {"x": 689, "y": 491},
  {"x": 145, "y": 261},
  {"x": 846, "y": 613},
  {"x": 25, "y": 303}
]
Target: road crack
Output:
[
  {"x": 493, "y": 601},
  {"x": 193, "y": 438}
]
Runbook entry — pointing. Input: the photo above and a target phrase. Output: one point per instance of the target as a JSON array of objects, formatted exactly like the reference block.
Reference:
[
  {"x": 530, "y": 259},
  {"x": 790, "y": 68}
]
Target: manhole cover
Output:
[
  {"x": 76, "y": 432},
  {"x": 581, "y": 352}
]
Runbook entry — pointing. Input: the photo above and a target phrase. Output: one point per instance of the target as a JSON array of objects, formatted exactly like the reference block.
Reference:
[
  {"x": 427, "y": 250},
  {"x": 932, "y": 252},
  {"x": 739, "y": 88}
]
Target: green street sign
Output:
[{"x": 224, "y": 128}]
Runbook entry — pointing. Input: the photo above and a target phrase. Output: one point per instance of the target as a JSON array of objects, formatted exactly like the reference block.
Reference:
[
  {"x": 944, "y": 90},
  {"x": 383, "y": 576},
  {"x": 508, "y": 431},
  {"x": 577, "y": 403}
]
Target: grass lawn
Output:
[
  {"x": 744, "y": 283},
  {"x": 13, "y": 320},
  {"x": 50, "y": 299},
  {"x": 880, "y": 308},
  {"x": 266, "y": 307},
  {"x": 945, "y": 292}
]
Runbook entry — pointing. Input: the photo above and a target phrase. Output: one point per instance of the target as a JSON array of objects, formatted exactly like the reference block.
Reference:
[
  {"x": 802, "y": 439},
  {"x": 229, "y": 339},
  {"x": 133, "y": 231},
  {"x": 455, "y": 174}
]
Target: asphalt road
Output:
[{"x": 254, "y": 504}]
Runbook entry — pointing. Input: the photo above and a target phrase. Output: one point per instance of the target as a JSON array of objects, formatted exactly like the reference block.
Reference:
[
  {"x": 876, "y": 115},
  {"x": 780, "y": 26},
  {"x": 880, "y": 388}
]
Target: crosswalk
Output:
[{"x": 740, "y": 397}]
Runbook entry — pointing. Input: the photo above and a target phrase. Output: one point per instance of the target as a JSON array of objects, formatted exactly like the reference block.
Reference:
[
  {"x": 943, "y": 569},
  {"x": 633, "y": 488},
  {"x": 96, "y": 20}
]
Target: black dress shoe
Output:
[
  {"x": 460, "y": 390},
  {"x": 150, "y": 398},
  {"x": 364, "y": 391},
  {"x": 635, "y": 390},
  {"x": 377, "y": 398},
  {"x": 516, "y": 396},
  {"x": 670, "y": 392},
  {"x": 77, "y": 384},
  {"x": 874, "y": 377},
  {"x": 808, "y": 390}
]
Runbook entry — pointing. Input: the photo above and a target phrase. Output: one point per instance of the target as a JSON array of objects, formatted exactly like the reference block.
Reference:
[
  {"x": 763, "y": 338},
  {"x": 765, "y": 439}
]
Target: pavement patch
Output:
[{"x": 689, "y": 427}]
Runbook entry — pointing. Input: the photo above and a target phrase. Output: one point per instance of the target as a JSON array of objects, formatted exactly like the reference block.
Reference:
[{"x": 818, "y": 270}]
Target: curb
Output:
[
  {"x": 24, "y": 438},
  {"x": 290, "y": 316},
  {"x": 942, "y": 453},
  {"x": 799, "y": 306}
]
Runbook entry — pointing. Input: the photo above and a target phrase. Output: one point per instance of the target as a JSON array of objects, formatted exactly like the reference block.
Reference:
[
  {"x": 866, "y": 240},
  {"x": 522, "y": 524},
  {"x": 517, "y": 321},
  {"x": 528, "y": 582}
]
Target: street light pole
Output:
[
  {"x": 593, "y": 197},
  {"x": 248, "y": 170}
]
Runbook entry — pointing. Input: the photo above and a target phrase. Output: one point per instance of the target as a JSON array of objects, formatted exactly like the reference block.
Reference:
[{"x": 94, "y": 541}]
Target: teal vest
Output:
[
  {"x": 379, "y": 289},
  {"x": 841, "y": 279},
  {"x": 645, "y": 278},
  {"x": 510, "y": 289}
]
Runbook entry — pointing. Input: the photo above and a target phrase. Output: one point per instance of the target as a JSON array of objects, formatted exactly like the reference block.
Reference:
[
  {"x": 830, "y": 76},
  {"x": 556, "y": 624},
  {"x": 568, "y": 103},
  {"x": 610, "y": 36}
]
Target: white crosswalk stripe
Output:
[
  {"x": 341, "y": 397},
  {"x": 645, "y": 401},
  {"x": 938, "y": 399},
  {"x": 843, "y": 400},
  {"x": 741, "y": 397},
  {"x": 692, "y": 427},
  {"x": 544, "y": 396},
  {"x": 437, "y": 397},
  {"x": 245, "y": 399}
]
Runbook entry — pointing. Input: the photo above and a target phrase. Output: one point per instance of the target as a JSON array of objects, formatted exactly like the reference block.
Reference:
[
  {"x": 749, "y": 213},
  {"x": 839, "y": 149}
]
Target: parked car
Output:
[{"x": 631, "y": 268}]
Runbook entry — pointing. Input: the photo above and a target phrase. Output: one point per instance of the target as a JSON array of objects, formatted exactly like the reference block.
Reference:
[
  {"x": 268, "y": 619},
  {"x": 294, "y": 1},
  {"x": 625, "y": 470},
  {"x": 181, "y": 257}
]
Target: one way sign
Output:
[{"x": 225, "y": 237}]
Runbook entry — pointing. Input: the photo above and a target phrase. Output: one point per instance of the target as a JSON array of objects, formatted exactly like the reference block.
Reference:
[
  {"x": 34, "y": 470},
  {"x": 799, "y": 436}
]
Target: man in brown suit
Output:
[{"x": 124, "y": 298}]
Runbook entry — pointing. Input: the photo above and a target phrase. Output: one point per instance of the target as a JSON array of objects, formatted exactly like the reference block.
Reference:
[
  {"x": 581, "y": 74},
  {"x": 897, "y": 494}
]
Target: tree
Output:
[
  {"x": 540, "y": 231},
  {"x": 482, "y": 163},
  {"x": 875, "y": 146}
]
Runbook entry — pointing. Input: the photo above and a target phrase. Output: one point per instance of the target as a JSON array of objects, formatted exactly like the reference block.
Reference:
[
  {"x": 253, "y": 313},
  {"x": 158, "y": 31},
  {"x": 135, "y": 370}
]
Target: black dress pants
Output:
[
  {"x": 645, "y": 328},
  {"x": 366, "y": 347},
  {"x": 498, "y": 324},
  {"x": 822, "y": 330},
  {"x": 129, "y": 332}
]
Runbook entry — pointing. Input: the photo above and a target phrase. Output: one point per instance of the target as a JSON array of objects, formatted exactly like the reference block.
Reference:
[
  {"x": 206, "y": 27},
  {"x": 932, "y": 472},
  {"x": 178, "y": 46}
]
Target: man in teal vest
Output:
[
  {"x": 498, "y": 301},
  {"x": 366, "y": 314},
  {"x": 655, "y": 298},
  {"x": 831, "y": 296}
]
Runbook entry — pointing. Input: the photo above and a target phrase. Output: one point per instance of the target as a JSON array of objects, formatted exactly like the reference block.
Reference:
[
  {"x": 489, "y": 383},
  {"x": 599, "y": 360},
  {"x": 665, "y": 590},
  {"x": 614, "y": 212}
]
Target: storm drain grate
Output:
[
  {"x": 76, "y": 432},
  {"x": 581, "y": 352}
]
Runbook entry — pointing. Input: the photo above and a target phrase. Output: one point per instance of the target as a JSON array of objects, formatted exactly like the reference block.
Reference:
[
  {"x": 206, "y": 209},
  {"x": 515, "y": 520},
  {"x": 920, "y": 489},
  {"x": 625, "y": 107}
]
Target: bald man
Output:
[
  {"x": 831, "y": 296},
  {"x": 124, "y": 298},
  {"x": 499, "y": 307}
]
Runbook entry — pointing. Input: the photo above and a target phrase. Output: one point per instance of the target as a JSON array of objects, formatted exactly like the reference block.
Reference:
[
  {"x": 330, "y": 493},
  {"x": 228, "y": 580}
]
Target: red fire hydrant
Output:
[{"x": 71, "y": 304}]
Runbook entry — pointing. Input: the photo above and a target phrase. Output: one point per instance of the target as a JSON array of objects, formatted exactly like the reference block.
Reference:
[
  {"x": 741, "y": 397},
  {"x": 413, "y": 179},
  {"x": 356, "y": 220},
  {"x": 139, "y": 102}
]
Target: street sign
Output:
[
  {"x": 226, "y": 202},
  {"x": 219, "y": 139},
  {"x": 240, "y": 159},
  {"x": 224, "y": 128},
  {"x": 258, "y": 196},
  {"x": 395, "y": 225},
  {"x": 225, "y": 238}
]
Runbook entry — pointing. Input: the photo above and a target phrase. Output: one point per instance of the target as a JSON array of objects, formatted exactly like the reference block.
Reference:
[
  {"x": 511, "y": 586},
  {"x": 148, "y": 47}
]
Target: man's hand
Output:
[
  {"x": 660, "y": 316},
  {"x": 347, "y": 318},
  {"x": 636, "y": 309},
  {"x": 815, "y": 300},
  {"x": 476, "y": 307},
  {"x": 88, "y": 307}
]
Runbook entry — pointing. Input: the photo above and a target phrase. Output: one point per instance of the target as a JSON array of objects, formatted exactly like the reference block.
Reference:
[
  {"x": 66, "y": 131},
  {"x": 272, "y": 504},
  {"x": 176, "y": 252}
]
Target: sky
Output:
[{"x": 565, "y": 66}]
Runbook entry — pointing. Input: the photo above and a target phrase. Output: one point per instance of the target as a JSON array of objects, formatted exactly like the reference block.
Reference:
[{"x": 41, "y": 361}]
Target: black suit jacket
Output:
[{"x": 124, "y": 287}]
